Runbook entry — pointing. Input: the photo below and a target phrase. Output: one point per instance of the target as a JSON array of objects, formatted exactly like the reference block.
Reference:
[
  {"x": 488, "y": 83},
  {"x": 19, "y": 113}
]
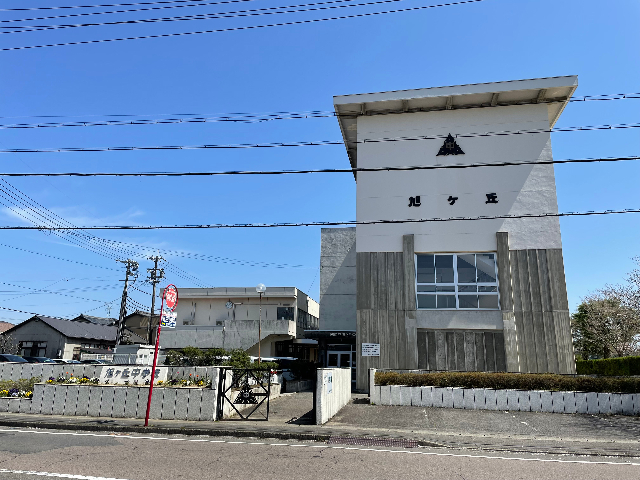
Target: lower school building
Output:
[
  {"x": 497, "y": 311},
  {"x": 451, "y": 267}
]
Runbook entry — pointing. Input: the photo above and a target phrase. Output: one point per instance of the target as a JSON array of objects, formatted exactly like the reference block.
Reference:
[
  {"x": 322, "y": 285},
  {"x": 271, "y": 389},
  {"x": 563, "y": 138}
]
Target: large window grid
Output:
[{"x": 463, "y": 281}]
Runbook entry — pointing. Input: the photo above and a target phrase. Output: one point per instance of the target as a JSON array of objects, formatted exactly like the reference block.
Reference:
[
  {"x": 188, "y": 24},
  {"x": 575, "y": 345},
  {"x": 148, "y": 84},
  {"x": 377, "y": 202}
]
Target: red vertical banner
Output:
[{"x": 170, "y": 296}]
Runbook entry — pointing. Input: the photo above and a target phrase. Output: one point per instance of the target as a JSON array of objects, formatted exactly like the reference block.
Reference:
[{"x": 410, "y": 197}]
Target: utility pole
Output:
[
  {"x": 155, "y": 276},
  {"x": 132, "y": 270}
]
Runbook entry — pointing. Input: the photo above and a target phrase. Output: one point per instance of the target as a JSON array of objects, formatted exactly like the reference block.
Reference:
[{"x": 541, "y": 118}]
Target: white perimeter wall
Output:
[
  {"x": 329, "y": 403},
  {"x": 520, "y": 189}
]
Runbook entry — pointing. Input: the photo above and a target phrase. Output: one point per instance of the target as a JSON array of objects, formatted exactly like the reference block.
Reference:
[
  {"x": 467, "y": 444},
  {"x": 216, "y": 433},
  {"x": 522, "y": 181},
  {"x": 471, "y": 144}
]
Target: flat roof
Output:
[
  {"x": 555, "y": 92},
  {"x": 230, "y": 292}
]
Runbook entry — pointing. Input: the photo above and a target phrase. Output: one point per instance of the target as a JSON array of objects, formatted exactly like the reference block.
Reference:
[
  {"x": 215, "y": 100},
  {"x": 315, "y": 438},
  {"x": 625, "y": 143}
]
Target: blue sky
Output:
[{"x": 288, "y": 68}]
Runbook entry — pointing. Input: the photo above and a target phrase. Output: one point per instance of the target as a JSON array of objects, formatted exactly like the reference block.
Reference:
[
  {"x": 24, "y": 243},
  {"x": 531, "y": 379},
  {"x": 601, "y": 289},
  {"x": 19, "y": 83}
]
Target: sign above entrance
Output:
[{"x": 370, "y": 349}]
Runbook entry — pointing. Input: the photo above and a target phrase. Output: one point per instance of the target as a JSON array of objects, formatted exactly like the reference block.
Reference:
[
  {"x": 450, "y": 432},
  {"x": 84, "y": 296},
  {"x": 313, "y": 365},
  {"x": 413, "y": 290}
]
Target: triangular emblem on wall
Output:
[{"x": 450, "y": 147}]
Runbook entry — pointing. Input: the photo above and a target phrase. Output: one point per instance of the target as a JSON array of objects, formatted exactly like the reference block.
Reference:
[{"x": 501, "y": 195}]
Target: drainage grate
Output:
[{"x": 374, "y": 441}]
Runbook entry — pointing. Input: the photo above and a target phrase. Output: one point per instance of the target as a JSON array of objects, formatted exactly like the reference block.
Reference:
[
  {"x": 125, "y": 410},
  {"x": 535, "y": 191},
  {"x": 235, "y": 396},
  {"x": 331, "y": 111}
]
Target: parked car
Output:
[
  {"x": 4, "y": 357},
  {"x": 38, "y": 360},
  {"x": 64, "y": 361},
  {"x": 95, "y": 362}
]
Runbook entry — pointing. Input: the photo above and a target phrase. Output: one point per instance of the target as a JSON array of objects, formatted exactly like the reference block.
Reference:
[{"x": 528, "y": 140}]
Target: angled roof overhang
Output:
[{"x": 554, "y": 92}]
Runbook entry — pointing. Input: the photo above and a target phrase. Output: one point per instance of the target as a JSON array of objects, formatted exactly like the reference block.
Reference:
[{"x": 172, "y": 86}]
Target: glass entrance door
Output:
[{"x": 339, "y": 360}]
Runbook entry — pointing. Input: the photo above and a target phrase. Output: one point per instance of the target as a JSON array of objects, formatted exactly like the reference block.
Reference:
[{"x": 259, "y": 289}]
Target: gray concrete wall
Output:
[
  {"x": 535, "y": 310},
  {"x": 124, "y": 402},
  {"x": 386, "y": 312},
  {"x": 338, "y": 279},
  {"x": 461, "y": 350},
  {"x": 333, "y": 391},
  {"x": 240, "y": 333},
  {"x": 16, "y": 371}
]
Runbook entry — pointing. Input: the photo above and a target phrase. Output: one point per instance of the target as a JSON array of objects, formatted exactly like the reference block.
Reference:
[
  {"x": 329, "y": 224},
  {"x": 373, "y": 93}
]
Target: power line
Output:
[
  {"x": 251, "y": 27},
  {"x": 44, "y": 290},
  {"x": 210, "y": 258},
  {"x": 96, "y": 6},
  {"x": 70, "y": 15},
  {"x": 56, "y": 258},
  {"x": 205, "y": 16},
  {"x": 318, "y": 142},
  {"x": 325, "y": 224},
  {"x": 36, "y": 290},
  {"x": 30, "y": 313},
  {"x": 81, "y": 239},
  {"x": 267, "y": 116},
  {"x": 322, "y": 170}
]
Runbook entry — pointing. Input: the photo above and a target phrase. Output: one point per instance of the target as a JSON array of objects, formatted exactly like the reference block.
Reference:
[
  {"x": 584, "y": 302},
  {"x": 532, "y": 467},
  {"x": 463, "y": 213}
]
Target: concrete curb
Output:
[
  {"x": 166, "y": 430},
  {"x": 591, "y": 451}
]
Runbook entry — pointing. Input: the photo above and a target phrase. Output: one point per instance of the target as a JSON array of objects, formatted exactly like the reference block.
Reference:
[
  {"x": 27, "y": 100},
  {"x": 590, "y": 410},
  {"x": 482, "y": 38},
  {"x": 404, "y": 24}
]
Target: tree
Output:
[
  {"x": 604, "y": 326},
  {"x": 7, "y": 344},
  {"x": 608, "y": 322}
]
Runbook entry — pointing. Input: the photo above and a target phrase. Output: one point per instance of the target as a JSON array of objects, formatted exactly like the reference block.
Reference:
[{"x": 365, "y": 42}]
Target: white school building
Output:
[{"x": 441, "y": 294}]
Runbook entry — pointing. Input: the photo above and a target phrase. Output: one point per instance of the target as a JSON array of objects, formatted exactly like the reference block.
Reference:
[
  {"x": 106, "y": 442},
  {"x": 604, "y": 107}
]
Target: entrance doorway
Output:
[{"x": 342, "y": 356}]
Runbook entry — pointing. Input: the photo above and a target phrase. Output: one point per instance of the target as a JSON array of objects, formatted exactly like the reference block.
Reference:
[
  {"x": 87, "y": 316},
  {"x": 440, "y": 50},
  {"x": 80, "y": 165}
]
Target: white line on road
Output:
[
  {"x": 378, "y": 450},
  {"x": 60, "y": 475}
]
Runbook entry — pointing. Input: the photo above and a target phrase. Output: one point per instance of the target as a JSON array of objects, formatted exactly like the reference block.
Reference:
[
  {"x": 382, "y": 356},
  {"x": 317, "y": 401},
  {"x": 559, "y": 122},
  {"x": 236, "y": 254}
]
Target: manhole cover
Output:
[{"x": 374, "y": 442}]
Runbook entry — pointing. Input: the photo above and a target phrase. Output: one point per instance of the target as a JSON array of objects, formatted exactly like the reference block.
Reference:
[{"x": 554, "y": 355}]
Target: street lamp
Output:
[{"x": 260, "y": 289}]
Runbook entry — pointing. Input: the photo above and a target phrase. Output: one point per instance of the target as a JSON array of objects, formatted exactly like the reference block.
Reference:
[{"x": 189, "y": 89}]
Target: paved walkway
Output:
[{"x": 290, "y": 418}]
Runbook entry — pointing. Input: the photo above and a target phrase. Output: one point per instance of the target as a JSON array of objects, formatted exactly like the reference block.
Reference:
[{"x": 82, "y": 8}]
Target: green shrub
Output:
[
  {"x": 620, "y": 366},
  {"x": 173, "y": 357},
  {"x": 515, "y": 381},
  {"x": 238, "y": 358},
  {"x": 215, "y": 356}
]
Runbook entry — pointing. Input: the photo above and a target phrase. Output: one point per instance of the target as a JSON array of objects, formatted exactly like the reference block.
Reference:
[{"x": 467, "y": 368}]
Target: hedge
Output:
[
  {"x": 619, "y": 366},
  {"x": 512, "y": 381}
]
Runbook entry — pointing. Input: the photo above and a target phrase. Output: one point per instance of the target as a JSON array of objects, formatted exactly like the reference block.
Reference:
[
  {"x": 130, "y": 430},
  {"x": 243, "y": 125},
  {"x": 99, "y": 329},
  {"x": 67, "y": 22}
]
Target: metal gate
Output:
[{"x": 244, "y": 386}]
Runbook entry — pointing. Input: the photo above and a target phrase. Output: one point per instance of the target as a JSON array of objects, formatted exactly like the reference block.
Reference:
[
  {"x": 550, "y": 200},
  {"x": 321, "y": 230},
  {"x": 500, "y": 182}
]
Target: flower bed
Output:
[
  {"x": 186, "y": 381},
  {"x": 511, "y": 381},
  {"x": 22, "y": 388},
  {"x": 71, "y": 379}
]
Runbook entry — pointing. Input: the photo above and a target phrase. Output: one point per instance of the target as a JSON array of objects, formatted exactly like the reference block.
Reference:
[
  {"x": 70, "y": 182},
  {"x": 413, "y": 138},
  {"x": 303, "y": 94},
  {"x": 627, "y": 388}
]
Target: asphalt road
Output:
[{"x": 33, "y": 454}]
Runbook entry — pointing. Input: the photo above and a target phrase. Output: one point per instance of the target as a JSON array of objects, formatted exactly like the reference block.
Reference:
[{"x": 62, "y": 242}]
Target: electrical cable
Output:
[
  {"x": 250, "y": 27},
  {"x": 35, "y": 290},
  {"x": 95, "y": 308},
  {"x": 123, "y": 11},
  {"x": 324, "y": 224},
  {"x": 318, "y": 142},
  {"x": 268, "y": 116},
  {"x": 206, "y": 16},
  {"x": 31, "y": 313},
  {"x": 81, "y": 239},
  {"x": 96, "y": 6},
  {"x": 39, "y": 211},
  {"x": 24, "y": 214},
  {"x": 84, "y": 243},
  {"x": 323, "y": 170},
  {"x": 211, "y": 258}
]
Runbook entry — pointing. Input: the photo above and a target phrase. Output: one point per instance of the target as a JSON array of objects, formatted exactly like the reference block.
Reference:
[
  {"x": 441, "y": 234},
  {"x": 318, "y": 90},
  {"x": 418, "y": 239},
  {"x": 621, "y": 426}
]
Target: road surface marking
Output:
[
  {"x": 59, "y": 475},
  {"x": 377, "y": 450}
]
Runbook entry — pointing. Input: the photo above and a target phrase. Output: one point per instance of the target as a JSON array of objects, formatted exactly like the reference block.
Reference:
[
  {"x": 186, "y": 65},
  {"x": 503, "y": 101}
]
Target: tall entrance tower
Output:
[{"x": 466, "y": 294}]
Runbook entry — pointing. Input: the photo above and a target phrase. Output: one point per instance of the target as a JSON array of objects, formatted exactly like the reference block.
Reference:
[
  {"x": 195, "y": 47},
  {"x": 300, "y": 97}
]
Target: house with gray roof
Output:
[{"x": 52, "y": 337}]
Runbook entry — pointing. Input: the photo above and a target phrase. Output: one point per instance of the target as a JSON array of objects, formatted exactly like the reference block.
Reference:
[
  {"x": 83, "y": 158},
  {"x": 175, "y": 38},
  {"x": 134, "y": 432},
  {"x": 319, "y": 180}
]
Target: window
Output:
[
  {"x": 285, "y": 313},
  {"x": 464, "y": 281}
]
